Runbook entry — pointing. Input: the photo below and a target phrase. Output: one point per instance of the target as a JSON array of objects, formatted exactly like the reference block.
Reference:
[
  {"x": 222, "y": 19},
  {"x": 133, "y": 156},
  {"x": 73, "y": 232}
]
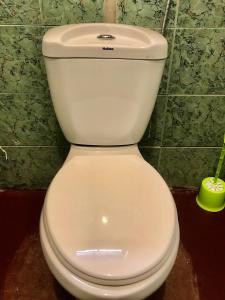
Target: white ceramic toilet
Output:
[{"x": 109, "y": 227}]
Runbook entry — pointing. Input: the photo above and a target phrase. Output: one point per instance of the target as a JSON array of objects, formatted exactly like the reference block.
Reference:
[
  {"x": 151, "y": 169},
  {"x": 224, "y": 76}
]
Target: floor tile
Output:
[{"x": 198, "y": 272}]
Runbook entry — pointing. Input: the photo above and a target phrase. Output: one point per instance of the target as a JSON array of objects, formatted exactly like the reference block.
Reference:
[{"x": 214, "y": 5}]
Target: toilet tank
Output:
[{"x": 104, "y": 80}]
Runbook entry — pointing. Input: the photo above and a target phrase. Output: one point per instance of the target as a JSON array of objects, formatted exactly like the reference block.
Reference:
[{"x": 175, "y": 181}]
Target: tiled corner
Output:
[
  {"x": 201, "y": 13},
  {"x": 151, "y": 155},
  {"x": 195, "y": 121},
  {"x": 27, "y": 119},
  {"x": 153, "y": 133},
  {"x": 30, "y": 167},
  {"x": 186, "y": 167},
  {"x": 56, "y": 12},
  {"x": 198, "y": 62},
  {"x": 143, "y": 13},
  {"x": 20, "y": 12}
]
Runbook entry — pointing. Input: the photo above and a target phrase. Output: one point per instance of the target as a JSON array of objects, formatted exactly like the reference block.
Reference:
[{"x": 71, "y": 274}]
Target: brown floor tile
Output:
[{"x": 198, "y": 274}]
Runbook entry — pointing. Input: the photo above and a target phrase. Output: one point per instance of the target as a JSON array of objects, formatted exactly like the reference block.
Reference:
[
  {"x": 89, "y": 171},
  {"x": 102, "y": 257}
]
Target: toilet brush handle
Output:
[{"x": 220, "y": 163}]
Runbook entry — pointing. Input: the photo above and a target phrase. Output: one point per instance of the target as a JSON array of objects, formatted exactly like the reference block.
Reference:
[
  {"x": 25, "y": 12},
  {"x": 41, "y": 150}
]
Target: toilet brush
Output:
[{"x": 211, "y": 196}]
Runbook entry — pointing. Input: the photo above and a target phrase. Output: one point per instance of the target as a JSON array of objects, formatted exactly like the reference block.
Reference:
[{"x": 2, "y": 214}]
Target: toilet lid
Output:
[{"x": 111, "y": 219}]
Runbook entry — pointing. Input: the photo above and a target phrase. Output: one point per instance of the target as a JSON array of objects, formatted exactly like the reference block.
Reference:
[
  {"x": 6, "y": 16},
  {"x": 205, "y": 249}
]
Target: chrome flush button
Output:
[{"x": 106, "y": 37}]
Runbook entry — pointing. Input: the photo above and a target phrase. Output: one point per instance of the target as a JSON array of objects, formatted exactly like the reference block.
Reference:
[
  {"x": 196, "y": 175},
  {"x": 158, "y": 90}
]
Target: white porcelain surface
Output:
[
  {"x": 117, "y": 219},
  {"x": 109, "y": 227},
  {"x": 136, "y": 216},
  {"x": 82, "y": 40},
  {"x": 103, "y": 101},
  {"x": 85, "y": 290}
]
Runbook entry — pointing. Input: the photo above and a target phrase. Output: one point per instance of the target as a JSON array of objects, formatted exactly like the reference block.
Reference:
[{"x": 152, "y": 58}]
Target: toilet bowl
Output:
[
  {"x": 109, "y": 227},
  {"x": 109, "y": 224}
]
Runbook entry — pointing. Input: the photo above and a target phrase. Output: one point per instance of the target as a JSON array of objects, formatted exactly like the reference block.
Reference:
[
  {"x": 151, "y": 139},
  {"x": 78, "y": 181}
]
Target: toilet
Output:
[{"x": 109, "y": 226}]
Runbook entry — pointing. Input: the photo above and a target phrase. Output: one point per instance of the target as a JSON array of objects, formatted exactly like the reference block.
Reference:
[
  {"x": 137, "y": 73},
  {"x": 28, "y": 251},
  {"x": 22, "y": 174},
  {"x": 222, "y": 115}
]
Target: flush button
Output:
[{"x": 106, "y": 37}]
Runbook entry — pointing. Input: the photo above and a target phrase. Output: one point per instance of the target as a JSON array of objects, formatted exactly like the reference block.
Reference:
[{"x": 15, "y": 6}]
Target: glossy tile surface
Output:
[
  {"x": 144, "y": 13},
  {"x": 32, "y": 167},
  {"x": 20, "y": 12},
  {"x": 22, "y": 66},
  {"x": 20, "y": 42},
  {"x": 185, "y": 167},
  {"x": 169, "y": 35},
  {"x": 58, "y": 12},
  {"x": 153, "y": 133},
  {"x": 151, "y": 155},
  {"x": 195, "y": 66},
  {"x": 194, "y": 121},
  {"x": 28, "y": 120},
  {"x": 198, "y": 273},
  {"x": 198, "y": 62},
  {"x": 201, "y": 13}
]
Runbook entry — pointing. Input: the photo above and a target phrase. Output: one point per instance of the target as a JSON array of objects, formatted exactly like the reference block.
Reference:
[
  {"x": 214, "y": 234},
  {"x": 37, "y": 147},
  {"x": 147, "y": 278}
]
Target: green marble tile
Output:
[
  {"x": 153, "y": 133},
  {"x": 198, "y": 62},
  {"x": 20, "y": 76},
  {"x": 144, "y": 12},
  {"x": 20, "y": 42},
  {"x": 22, "y": 66},
  {"x": 20, "y": 12},
  {"x": 56, "y": 12},
  {"x": 30, "y": 167},
  {"x": 195, "y": 121},
  {"x": 151, "y": 155},
  {"x": 28, "y": 120},
  {"x": 186, "y": 167},
  {"x": 201, "y": 13}
]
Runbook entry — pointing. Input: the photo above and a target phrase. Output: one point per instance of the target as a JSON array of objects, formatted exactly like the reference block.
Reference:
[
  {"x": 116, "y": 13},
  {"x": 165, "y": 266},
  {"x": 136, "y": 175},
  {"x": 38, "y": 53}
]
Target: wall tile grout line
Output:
[
  {"x": 172, "y": 47},
  {"x": 195, "y": 95},
  {"x": 34, "y": 146},
  {"x": 149, "y": 147},
  {"x": 153, "y": 28},
  {"x": 197, "y": 28},
  {"x": 168, "y": 81},
  {"x": 41, "y": 9},
  {"x": 184, "y": 147}
]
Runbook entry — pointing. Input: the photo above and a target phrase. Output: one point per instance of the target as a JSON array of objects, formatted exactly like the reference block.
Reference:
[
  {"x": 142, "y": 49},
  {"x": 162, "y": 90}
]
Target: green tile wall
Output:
[
  {"x": 29, "y": 131},
  {"x": 185, "y": 132}
]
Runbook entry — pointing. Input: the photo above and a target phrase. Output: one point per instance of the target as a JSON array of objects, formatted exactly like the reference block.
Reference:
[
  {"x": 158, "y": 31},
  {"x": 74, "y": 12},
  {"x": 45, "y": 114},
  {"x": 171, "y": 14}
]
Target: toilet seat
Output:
[{"x": 126, "y": 206}]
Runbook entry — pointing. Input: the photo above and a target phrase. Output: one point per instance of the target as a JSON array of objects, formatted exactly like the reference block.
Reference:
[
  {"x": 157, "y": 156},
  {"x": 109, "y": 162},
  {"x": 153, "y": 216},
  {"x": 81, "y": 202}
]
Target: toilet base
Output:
[{"x": 89, "y": 291}]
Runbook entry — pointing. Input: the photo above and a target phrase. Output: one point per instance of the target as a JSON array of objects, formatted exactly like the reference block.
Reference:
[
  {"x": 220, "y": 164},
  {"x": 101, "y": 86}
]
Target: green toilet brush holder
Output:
[{"x": 211, "y": 196}]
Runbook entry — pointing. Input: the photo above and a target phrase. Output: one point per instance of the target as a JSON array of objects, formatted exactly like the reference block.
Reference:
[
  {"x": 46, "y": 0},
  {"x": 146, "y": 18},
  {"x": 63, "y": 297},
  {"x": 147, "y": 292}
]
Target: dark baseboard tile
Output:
[
  {"x": 186, "y": 167},
  {"x": 30, "y": 167}
]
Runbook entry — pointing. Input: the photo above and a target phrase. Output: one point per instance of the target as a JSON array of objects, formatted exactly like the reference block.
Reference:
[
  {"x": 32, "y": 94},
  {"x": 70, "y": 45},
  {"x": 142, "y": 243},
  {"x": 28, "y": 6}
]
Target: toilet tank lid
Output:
[{"x": 99, "y": 40}]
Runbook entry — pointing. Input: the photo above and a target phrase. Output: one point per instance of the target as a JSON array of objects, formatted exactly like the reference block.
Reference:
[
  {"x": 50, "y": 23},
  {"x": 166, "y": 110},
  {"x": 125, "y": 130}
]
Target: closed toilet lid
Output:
[{"x": 111, "y": 219}]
